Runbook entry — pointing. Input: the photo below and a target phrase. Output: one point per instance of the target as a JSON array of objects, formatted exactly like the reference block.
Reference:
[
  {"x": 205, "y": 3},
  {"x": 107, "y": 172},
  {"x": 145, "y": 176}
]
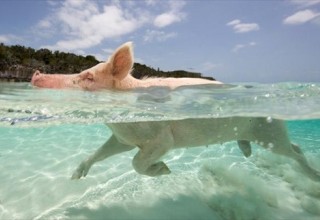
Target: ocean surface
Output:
[{"x": 45, "y": 134}]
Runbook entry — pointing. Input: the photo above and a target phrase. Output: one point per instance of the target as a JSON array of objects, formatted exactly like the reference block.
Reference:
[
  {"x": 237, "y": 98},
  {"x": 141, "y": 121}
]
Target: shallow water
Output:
[{"x": 45, "y": 134}]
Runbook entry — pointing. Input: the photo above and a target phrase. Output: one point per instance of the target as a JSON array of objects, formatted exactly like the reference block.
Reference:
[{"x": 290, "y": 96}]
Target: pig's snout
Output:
[{"x": 54, "y": 81}]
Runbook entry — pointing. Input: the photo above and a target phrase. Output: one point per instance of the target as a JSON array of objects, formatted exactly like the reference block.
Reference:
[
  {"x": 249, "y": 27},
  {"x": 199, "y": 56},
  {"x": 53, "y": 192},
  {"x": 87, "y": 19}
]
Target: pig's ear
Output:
[{"x": 122, "y": 61}]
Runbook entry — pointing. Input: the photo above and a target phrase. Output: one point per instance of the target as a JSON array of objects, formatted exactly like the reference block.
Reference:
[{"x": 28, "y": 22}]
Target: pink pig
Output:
[
  {"x": 155, "y": 138},
  {"x": 113, "y": 74}
]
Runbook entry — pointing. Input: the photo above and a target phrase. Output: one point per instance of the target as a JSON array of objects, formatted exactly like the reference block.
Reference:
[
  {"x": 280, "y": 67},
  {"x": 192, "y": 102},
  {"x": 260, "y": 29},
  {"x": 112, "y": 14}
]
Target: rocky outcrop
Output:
[{"x": 17, "y": 73}]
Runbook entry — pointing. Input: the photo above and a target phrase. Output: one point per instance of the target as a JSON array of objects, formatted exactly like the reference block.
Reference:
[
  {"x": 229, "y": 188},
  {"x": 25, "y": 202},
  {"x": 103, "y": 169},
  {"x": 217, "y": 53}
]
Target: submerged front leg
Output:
[
  {"x": 146, "y": 161},
  {"x": 111, "y": 147}
]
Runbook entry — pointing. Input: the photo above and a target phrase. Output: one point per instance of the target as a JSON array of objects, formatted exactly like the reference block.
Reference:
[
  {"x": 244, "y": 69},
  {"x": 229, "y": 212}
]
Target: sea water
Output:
[{"x": 45, "y": 134}]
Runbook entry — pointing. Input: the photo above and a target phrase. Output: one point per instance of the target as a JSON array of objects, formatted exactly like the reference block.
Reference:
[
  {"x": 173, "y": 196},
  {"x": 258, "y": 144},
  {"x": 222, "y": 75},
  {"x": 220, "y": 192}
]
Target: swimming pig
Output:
[
  {"x": 155, "y": 138},
  {"x": 113, "y": 74}
]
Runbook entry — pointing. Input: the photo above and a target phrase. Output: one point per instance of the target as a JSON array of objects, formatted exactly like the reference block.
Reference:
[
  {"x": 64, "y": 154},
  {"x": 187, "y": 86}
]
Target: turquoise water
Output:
[{"x": 45, "y": 134}]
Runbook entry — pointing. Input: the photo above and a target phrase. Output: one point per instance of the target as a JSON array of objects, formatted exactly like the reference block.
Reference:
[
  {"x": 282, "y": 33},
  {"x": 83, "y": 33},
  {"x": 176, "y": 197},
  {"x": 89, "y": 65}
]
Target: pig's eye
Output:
[{"x": 90, "y": 77}]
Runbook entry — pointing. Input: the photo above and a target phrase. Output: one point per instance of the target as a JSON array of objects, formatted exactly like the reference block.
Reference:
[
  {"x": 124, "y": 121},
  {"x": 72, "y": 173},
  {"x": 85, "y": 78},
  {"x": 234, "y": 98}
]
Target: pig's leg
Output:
[
  {"x": 313, "y": 174},
  {"x": 111, "y": 147},
  {"x": 275, "y": 137},
  {"x": 146, "y": 161},
  {"x": 245, "y": 147},
  {"x": 294, "y": 152}
]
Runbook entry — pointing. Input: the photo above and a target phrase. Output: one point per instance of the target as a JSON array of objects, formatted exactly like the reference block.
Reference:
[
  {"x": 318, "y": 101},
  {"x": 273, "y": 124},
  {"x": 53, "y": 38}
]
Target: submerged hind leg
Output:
[
  {"x": 314, "y": 174},
  {"x": 273, "y": 135},
  {"x": 294, "y": 152}
]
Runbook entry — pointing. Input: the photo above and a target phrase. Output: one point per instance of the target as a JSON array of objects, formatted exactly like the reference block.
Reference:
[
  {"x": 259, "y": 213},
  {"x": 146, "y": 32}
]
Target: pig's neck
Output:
[{"x": 131, "y": 83}]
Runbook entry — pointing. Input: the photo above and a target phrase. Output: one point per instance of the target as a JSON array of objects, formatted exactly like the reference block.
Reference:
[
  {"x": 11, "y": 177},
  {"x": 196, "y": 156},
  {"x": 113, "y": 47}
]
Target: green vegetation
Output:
[
  {"x": 141, "y": 71},
  {"x": 19, "y": 62}
]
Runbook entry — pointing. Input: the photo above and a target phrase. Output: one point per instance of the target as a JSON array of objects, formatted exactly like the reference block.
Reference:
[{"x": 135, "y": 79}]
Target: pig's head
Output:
[{"x": 105, "y": 75}]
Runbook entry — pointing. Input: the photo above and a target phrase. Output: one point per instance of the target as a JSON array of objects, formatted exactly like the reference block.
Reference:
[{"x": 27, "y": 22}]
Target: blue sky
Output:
[{"x": 233, "y": 41}]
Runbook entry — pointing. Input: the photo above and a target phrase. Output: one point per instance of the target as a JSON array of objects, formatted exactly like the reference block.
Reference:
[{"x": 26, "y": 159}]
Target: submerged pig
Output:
[
  {"x": 155, "y": 138},
  {"x": 113, "y": 74}
]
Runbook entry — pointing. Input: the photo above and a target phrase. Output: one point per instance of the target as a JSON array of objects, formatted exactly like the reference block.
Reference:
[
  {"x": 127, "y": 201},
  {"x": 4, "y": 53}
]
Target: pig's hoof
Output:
[
  {"x": 81, "y": 171},
  {"x": 158, "y": 169}
]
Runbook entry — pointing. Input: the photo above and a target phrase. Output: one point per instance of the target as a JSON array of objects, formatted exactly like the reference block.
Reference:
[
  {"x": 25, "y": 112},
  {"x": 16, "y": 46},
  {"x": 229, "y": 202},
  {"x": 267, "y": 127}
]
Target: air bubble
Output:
[
  {"x": 270, "y": 146},
  {"x": 269, "y": 119}
]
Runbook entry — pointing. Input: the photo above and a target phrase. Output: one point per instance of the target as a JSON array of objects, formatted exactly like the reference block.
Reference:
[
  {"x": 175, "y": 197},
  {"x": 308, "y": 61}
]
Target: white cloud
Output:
[
  {"x": 8, "y": 38},
  {"x": 239, "y": 27},
  {"x": 301, "y": 17},
  {"x": 238, "y": 47},
  {"x": 108, "y": 51},
  {"x": 305, "y": 3},
  {"x": 151, "y": 2},
  {"x": 44, "y": 23},
  {"x": 234, "y": 22},
  {"x": 166, "y": 19},
  {"x": 85, "y": 26},
  {"x": 100, "y": 57},
  {"x": 4, "y": 39},
  {"x": 82, "y": 24},
  {"x": 172, "y": 16},
  {"x": 52, "y": 2},
  {"x": 152, "y": 35}
]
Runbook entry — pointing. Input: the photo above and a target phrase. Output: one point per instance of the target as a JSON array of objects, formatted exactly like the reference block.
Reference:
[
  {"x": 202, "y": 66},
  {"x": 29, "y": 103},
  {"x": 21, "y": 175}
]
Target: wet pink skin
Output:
[
  {"x": 57, "y": 81},
  {"x": 113, "y": 74},
  {"x": 86, "y": 80}
]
